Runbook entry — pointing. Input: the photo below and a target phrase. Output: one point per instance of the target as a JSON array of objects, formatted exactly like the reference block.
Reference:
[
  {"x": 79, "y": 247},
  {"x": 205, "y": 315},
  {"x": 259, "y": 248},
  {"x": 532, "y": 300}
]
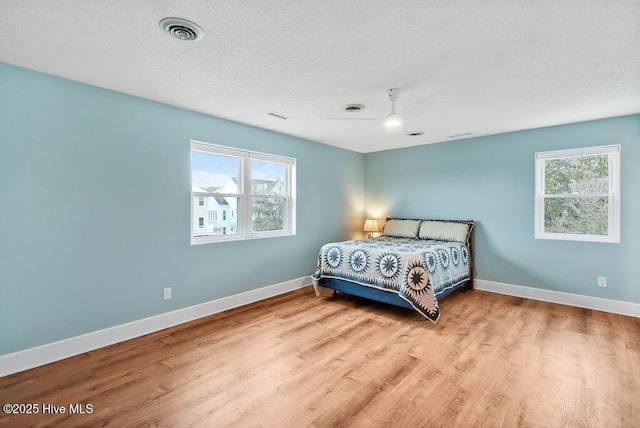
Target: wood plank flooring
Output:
[{"x": 296, "y": 360}]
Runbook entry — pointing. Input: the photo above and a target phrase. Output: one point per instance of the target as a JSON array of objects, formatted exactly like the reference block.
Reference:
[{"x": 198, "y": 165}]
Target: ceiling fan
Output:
[{"x": 395, "y": 119}]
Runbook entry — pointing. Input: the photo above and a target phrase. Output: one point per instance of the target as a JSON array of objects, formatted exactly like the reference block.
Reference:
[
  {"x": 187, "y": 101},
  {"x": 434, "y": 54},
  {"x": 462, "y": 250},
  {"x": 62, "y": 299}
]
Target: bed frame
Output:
[{"x": 388, "y": 296}]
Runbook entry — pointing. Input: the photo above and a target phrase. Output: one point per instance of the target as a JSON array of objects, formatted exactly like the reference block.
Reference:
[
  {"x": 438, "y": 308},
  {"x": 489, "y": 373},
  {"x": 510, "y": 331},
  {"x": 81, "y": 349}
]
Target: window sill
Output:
[
  {"x": 582, "y": 238},
  {"x": 203, "y": 241}
]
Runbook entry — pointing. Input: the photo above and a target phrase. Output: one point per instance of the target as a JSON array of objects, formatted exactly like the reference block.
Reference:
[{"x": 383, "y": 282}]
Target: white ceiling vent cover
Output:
[{"x": 182, "y": 29}]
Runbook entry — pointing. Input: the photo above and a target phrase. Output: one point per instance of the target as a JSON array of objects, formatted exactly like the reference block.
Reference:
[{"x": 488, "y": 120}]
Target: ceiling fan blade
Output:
[
  {"x": 353, "y": 118},
  {"x": 431, "y": 99}
]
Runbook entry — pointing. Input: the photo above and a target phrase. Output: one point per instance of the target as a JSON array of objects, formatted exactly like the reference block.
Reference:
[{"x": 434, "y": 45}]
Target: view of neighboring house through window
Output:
[
  {"x": 258, "y": 187},
  {"x": 578, "y": 194}
]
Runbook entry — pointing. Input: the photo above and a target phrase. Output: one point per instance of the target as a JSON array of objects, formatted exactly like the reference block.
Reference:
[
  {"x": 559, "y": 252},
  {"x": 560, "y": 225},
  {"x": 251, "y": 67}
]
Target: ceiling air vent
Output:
[
  {"x": 182, "y": 29},
  {"x": 353, "y": 108}
]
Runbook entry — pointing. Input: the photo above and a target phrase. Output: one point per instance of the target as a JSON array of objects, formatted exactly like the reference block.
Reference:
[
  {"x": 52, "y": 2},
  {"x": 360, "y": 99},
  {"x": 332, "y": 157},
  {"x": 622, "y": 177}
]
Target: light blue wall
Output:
[
  {"x": 491, "y": 180},
  {"x": 94, "y": 209}
]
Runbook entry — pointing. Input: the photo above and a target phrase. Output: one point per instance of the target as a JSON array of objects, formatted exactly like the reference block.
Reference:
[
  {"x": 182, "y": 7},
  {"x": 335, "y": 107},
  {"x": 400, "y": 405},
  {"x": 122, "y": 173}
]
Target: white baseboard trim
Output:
[
  {"x": 45, "y": 354},
  {"x": 597, "y": 303}
]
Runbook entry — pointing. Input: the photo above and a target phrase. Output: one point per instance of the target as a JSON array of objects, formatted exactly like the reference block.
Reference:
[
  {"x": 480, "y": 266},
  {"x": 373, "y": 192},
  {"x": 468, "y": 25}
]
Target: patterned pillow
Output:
[
  {"x": 400, "y": 228},
  {"x": 445, "y": 231}
]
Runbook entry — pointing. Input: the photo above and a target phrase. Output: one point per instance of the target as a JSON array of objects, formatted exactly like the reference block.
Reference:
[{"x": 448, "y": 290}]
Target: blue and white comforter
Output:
[{"x": 417, "y": 270}]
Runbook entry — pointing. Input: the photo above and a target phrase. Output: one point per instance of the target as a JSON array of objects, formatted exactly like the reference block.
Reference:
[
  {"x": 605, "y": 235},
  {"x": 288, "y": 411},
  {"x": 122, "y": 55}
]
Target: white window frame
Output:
[
  {"x": 245, "y": 198},
  {"x": 613, "y": 193}
]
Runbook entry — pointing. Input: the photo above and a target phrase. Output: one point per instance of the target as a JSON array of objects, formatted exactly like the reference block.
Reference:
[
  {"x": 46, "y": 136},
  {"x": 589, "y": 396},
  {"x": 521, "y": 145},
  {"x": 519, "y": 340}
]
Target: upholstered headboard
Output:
[
  {"x": 441, "y": 230},
  {"x": 437, "y": 229}
]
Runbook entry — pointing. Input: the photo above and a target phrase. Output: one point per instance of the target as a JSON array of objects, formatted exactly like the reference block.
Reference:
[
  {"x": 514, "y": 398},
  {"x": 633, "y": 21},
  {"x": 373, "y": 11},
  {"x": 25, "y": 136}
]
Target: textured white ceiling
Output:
[{"x": 505, "y": 65}]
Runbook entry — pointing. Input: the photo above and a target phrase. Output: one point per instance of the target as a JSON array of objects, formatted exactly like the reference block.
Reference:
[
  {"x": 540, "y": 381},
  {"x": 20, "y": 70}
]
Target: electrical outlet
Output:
[
  {"x": 166, "y": 293},
  {"x": 602, "y": 281}
]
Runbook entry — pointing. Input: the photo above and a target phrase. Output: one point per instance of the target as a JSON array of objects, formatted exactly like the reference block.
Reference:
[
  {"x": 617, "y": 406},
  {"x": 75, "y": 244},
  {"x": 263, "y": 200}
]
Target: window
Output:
[
  {"x": 578, "y": 194},
  {"x": 201, "y": 201},
  {"x": 200, "y": 222},
  {"x": 258, "y": 189}
]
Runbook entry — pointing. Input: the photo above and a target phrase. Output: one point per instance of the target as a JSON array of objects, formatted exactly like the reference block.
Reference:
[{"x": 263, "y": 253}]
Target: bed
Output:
[{"x": 412, "y": 264}]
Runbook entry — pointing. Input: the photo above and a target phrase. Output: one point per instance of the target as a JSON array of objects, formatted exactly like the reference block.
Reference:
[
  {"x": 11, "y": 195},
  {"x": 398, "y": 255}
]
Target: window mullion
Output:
[{"x": 246, "y": 197}]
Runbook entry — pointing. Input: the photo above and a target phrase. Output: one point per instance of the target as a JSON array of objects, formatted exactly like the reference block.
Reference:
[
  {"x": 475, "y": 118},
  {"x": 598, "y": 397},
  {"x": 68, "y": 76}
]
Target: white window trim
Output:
[
  {"x": 614, "y": 193},
  {"x": 244, "y": 208}
]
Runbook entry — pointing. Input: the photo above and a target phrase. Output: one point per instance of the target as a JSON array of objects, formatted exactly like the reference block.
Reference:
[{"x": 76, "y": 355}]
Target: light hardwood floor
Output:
[{"x": 296, "y": 360}]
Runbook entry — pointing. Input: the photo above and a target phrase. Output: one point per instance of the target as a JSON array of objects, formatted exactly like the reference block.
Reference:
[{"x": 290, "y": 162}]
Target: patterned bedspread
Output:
[{"x": 416, "y": 270}]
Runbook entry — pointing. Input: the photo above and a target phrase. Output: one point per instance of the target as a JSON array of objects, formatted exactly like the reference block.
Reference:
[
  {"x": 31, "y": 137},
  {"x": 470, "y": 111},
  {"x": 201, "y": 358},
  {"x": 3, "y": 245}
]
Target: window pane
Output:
[
  {"x": 214, "y": 173},
  {"x": 267, "y": 178},
  {"x": 585, "y": 216},
  {"x": 214, "y": 218},
  {"x": 584, "y": 174},
  {"x": 268, "y": 214}
]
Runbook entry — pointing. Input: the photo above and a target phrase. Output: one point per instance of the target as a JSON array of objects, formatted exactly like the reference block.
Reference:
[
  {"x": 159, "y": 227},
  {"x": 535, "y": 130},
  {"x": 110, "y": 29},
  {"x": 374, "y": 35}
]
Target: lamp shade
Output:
[{"x": 371, "y": 225}]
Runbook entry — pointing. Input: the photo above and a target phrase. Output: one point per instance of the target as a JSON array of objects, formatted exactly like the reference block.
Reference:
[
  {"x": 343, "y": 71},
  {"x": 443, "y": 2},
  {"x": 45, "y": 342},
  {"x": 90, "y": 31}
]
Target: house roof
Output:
[{"x": 221, "y": 201}]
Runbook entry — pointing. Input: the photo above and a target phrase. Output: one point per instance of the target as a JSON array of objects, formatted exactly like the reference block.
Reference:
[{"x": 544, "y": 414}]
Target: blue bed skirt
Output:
[{"x": 376, "y": 294}]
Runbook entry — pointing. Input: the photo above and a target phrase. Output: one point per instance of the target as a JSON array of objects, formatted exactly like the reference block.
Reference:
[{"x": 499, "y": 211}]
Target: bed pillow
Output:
[
  {"x": 445, "y": 231},
  {"x": 400, "y": 228}
]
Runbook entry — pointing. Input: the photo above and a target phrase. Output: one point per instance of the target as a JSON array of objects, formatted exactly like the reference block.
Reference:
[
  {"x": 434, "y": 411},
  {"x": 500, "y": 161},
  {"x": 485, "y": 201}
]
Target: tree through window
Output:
[{"x": 577, "y": 194}]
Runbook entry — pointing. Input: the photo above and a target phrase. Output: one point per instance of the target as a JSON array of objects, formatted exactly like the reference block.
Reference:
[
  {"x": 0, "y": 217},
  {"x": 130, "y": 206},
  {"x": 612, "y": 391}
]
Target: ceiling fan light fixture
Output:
[{"x": 392, "y": 121}]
